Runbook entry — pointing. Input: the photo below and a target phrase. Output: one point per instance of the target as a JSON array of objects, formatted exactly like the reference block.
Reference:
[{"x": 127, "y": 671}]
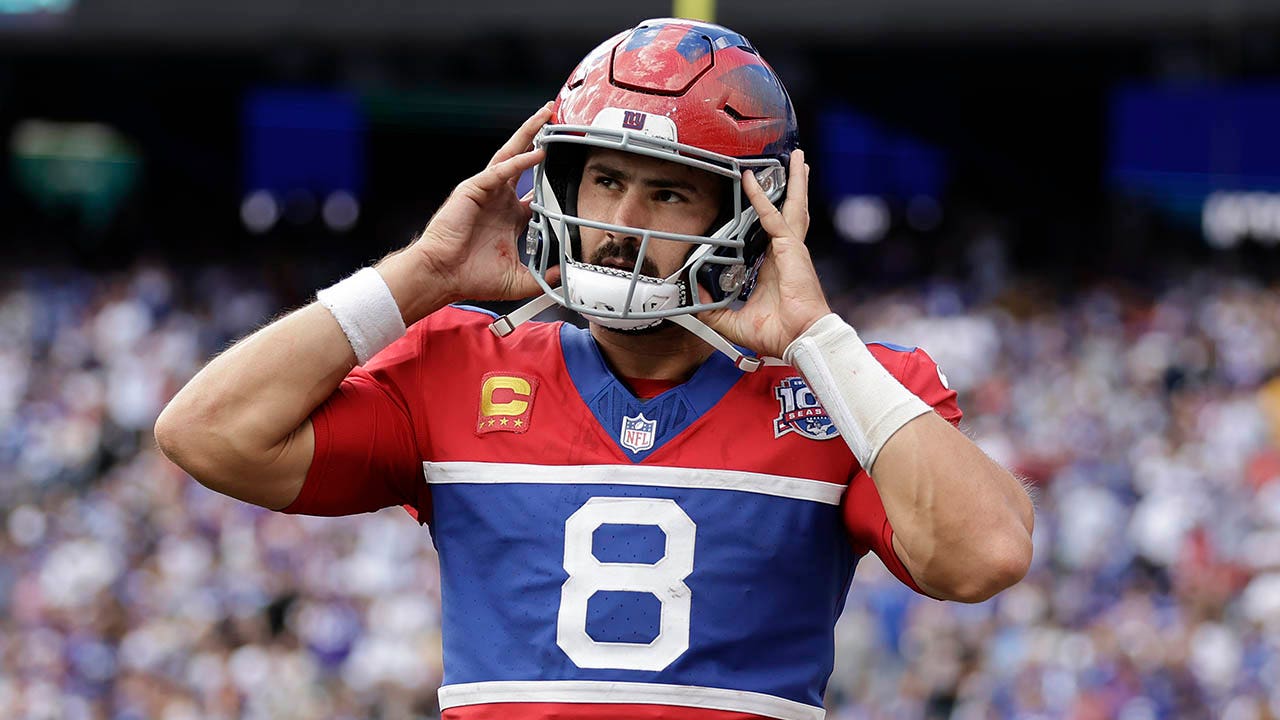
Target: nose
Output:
[{"x": 630, "y": 211}]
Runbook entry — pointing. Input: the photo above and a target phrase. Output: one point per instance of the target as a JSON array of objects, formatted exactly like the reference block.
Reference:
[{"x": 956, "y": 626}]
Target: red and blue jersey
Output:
[{"x": 603, "y": 555}]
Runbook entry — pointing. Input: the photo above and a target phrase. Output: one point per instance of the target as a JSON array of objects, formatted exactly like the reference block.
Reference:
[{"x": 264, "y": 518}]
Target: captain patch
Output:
[{"x": 506, "y": 403}]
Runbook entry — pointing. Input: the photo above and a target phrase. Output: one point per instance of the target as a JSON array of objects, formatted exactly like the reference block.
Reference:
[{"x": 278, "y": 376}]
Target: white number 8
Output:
[{"x": 663, "y": 579}]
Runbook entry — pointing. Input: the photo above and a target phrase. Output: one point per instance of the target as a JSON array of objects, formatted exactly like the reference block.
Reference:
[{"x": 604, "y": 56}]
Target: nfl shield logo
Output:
[{"x": 638, "y": 433}]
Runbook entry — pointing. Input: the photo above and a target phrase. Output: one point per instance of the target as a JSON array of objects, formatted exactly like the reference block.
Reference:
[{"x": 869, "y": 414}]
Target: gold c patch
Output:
[{"x": 506, "y": 402}]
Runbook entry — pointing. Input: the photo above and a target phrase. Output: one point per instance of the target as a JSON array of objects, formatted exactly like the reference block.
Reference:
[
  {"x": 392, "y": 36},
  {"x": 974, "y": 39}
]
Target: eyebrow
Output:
[{"x": 659, "y": 182}]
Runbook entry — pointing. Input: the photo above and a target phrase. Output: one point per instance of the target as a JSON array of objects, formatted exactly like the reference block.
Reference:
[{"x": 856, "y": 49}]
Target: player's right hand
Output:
[{"x": 468, "y": 250}]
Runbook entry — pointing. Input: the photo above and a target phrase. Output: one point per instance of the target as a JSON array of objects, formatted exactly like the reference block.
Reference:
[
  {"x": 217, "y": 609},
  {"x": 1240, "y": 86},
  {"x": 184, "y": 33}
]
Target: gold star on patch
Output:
[
  {"x": 519, "y": 423},
  {"x": 490, "y": 422},
  {"x": 503, "y": 421}
]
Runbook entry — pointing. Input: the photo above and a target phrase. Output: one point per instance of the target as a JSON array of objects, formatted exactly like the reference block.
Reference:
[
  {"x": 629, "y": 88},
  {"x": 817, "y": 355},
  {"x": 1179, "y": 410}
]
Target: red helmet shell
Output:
[{"x": 721, "y": 95}]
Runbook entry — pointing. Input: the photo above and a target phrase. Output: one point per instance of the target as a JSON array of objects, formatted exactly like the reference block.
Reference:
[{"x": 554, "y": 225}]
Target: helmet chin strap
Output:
[
  {"x": 507, "y": 324},
  {"x": 744, "y": 363}
]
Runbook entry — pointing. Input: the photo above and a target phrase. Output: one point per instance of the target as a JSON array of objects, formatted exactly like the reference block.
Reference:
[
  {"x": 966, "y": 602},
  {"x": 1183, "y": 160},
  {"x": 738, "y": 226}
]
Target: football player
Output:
[{"x": 656, "y": 516}]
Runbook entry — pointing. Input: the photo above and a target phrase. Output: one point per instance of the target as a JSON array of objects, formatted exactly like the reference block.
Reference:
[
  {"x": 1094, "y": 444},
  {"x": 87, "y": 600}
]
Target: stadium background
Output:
[{"x": 1072, "y": 206}]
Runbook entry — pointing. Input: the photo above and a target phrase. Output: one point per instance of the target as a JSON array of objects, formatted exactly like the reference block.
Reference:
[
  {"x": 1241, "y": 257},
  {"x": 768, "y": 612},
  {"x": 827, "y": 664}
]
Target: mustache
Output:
[{"x": 627, "y": 254}]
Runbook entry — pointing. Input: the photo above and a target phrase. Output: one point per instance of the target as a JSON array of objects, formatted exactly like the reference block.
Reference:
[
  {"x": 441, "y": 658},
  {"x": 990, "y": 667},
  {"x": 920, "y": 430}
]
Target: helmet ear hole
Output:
[
  {"x": 757, "y": 244},
  {"x": 709, "y": 277},
  {"x": 538, "y": 234},
  {"x": 721, "y": 280}
]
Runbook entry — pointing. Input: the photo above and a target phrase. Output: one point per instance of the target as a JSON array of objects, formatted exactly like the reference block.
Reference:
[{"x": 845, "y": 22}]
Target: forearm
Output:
[
  {"x": 962, "y": 524},
  {"x": 254, "y": 395},
  {"x": 240, "y": 426}
]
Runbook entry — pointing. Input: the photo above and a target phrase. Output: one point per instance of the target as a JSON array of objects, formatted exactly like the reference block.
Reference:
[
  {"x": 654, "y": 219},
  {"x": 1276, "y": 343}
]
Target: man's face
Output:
[{"x": 642, "y": 192}]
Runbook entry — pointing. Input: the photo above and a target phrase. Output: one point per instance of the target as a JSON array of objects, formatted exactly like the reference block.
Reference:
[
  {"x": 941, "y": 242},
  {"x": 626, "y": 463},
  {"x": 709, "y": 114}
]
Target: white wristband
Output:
[
  {"x": 866, "y": 403},
  {"x": 362, "y": 304}
]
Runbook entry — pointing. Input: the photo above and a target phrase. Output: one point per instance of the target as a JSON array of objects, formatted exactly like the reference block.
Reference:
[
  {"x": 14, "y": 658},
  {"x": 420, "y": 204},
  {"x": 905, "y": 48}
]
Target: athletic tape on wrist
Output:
[
  {"x": 362, "y": 304},
  {"x": 867, "y": 404}
]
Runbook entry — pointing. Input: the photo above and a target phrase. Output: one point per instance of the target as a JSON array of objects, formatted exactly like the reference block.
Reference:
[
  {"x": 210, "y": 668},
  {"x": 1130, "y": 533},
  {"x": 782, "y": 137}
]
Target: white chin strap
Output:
[
  {"x": 507, "y": 324},
  {"x": 744, "y": 363}
]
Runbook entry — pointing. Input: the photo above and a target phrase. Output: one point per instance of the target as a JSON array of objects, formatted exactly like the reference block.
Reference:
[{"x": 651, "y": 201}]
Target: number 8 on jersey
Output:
[{"x": 663, "y": 579}]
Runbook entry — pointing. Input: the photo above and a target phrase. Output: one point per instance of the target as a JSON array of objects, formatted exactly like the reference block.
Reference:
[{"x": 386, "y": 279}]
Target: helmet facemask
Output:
[{"x": 722, "y": 261}]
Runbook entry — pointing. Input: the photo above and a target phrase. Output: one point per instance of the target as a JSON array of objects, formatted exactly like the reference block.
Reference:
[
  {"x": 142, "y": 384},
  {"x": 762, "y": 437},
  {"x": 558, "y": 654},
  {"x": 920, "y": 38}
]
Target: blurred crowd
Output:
[
  {"x": 1147, "y": 423},
  {"x": 130, "y": 592}
]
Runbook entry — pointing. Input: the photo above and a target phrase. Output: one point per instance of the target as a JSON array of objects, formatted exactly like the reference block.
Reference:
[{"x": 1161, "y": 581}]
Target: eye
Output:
[
  {"x": 669, "y": 196},
  {"x": 605, "y": 181}
]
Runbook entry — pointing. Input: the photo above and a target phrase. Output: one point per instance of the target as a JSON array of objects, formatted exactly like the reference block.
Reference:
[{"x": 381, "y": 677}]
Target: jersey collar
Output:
[{"x": 611, "y": 401}]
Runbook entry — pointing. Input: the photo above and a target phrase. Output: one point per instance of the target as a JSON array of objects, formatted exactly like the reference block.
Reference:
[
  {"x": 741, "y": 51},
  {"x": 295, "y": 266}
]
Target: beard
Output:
[{"x": 661, "y": 327}]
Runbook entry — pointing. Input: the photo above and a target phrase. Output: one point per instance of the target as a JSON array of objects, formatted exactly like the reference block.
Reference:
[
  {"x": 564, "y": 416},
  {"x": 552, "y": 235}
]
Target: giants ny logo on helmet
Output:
[
  {"x": 654, "y": 126},
  {"x": 801, "y": 412},
  {"x": 633, "y": 120}
]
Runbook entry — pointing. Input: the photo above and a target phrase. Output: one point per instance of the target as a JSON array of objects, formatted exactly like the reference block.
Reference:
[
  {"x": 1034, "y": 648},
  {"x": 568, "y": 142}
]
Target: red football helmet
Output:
[{"x": 682, "y": 91}]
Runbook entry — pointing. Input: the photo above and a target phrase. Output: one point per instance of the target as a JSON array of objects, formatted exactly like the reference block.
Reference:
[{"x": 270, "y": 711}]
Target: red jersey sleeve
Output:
[
  {"x": 922, "y": 376},
  {"x": 366, "y": 455},
  {"x": 864, "y": 514}
]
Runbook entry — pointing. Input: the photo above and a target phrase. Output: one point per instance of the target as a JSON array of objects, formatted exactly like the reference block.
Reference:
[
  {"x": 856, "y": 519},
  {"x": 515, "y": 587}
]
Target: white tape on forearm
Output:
[
  {"x": 362, "y": 304},
  {"x": 867, "y": 404}
]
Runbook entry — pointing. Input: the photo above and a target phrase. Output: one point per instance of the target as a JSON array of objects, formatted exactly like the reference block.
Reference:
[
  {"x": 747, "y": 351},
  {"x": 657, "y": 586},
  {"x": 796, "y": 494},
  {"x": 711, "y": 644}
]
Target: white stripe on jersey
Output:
[
  {"x": 445, "y": 473},
  {"x": 589, "y": 691}
]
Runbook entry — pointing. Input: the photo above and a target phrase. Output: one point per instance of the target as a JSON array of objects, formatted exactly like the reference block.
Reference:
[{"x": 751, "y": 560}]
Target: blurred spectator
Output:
[{"x": 1145, "y": 421}]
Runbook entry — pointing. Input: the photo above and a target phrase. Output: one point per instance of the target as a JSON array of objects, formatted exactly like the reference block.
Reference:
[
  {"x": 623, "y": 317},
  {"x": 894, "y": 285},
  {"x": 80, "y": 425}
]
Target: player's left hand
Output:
[{"x": 787, "y": 298}]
